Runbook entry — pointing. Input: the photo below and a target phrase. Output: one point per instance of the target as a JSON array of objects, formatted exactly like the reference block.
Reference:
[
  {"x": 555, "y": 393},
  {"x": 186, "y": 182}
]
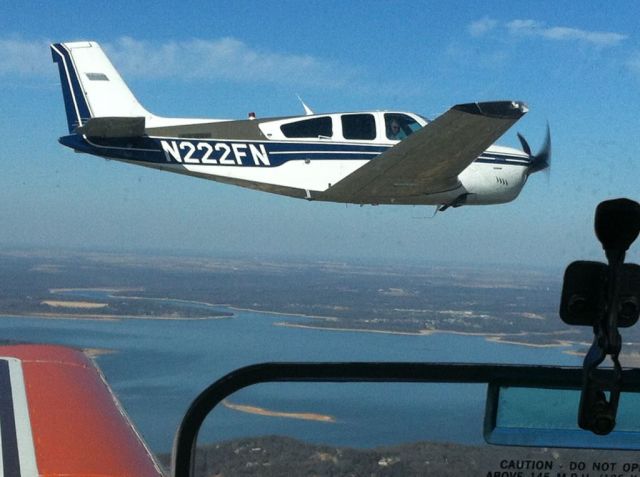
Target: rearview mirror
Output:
[{"x": 547, "y": 417}]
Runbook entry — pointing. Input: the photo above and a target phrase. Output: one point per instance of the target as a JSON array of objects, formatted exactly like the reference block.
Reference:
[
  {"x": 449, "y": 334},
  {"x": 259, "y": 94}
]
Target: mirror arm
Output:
[
  {"x": 617, "y": 223},
  {"x": 597, "y": 412}
]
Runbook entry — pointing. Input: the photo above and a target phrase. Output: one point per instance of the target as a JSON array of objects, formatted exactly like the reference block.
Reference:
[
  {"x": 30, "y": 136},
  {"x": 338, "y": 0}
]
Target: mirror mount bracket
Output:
[{"x": 592, "y": 295}]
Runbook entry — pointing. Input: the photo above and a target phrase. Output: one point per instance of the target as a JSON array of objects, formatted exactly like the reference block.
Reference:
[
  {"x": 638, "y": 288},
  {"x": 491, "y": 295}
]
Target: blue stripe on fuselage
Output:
[
  {"x": 238, "y": 153},
  {"x": 217, "y": 152},
  {"x": 502, "y": 159}
]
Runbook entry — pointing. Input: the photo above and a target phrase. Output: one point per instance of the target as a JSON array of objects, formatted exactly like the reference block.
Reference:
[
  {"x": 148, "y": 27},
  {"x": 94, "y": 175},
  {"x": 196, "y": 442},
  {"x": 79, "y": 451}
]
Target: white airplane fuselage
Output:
[
  {"x": 302, "y": 168},
  {"x": 299, "y": 156}
]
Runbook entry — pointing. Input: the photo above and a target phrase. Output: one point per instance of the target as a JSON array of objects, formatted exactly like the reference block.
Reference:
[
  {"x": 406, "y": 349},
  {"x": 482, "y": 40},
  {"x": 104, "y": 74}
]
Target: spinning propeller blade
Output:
[{"x": 542, "y": 160}]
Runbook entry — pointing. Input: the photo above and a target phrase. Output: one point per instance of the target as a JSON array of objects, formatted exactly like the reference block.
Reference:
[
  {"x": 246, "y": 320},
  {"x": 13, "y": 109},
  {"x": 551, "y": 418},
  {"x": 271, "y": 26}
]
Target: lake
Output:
[{"x": 159, "y": 366}]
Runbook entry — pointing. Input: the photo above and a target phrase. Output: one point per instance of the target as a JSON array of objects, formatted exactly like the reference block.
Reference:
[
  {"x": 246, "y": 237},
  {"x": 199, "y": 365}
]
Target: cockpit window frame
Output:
[
  {"x": 353, "y": 126},
  {"x": 311, "y": 128},
  {"x": 407, "y": 125}
]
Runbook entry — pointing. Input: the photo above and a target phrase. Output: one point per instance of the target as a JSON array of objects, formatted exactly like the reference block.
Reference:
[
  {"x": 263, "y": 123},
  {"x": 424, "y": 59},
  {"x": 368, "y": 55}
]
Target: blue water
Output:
[{"x": 160, "y": 365}]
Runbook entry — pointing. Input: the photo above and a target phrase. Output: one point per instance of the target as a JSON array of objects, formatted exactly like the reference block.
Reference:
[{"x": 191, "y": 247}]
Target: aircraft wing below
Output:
[
  {"x": 59, "y": 417},
  {"x": 429, "y": 160}
]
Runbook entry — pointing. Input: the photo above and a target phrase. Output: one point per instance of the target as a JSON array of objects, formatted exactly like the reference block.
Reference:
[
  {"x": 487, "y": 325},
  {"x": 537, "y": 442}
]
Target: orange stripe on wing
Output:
[{"x": 78, "y": 427}]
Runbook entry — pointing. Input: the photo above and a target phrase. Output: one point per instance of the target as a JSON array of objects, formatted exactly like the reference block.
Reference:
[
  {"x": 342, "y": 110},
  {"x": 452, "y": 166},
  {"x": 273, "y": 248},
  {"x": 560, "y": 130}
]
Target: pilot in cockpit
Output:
[{"x": 394, "y": 131}]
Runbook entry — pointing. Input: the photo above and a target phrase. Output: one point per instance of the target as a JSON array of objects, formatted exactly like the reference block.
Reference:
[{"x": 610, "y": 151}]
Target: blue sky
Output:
[{"x": 577, "y": 66}]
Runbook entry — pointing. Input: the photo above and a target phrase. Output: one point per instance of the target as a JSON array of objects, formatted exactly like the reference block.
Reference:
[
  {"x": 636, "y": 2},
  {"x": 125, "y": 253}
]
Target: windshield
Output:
[
  {"x": 204, "y": 243},
  {"x": 399, "y": 126}
]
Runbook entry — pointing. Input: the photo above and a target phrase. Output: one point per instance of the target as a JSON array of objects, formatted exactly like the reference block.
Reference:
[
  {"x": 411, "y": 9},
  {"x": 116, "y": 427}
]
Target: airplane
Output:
[{"x": 370, "y": 157}]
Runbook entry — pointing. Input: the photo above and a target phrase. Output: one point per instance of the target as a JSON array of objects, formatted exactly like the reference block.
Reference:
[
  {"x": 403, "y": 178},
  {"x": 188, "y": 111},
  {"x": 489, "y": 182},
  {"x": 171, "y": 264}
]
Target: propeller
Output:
[{"x": 542, "y": 160}]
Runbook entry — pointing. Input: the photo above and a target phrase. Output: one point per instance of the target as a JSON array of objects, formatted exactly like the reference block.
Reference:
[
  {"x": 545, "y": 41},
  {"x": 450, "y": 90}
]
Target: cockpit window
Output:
[
  {"x": 399, "y": 126},
  {"x": 311, "y": 128},
  {"x": 358, "y": 126}
]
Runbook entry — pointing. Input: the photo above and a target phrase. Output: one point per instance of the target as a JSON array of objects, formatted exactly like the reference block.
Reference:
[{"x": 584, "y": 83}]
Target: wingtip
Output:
[{"x": 495, "y": 109}]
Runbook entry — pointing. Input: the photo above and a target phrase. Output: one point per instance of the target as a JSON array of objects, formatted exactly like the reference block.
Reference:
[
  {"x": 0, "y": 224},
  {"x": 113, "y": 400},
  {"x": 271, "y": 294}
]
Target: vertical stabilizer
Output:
[{"x": 91, "y": 86}]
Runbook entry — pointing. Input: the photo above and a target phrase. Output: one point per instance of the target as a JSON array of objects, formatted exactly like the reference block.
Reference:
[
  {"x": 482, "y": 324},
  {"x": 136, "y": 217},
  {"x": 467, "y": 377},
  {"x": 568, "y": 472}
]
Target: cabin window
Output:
[
  {"x": 358, "y": 126},
  {"x": 314, "y": 127},
  {"x": 399, "y": 126}
]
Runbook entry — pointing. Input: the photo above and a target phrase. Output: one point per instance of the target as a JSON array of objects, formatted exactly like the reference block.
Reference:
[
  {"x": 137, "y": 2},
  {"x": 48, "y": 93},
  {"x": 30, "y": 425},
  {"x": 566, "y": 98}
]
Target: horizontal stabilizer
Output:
[{"x": 113, "y": 127}]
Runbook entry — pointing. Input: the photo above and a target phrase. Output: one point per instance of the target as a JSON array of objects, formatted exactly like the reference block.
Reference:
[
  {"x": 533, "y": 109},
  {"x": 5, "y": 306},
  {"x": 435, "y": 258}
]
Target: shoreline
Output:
[
  {"x": 95, "y": 353},
  {"x": 75, "y": 305},
  {"x": 305, "y": 416},
  {"x": 494, "y": 337},
  {"x": 498, "y": 338},
  {"x": 93, "y": 317},
  {"x": 491, "y": 337}
]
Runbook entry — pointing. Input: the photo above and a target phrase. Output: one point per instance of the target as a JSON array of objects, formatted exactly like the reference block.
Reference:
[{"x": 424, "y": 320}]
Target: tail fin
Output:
[{"x": 91, "y": 86}]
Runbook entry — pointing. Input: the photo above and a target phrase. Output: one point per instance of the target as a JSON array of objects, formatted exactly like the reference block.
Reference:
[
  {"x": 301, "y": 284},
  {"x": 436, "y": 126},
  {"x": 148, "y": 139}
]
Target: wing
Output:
[
  {"x": 59, "y": 417},
  {"x": 429, "y": 160}
]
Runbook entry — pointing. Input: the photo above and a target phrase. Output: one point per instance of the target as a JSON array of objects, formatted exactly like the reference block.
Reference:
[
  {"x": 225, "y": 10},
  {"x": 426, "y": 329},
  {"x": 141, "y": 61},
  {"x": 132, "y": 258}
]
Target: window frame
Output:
[
  {"x": 374, "y": 128},
  {"x": 318, "y": 119}
]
